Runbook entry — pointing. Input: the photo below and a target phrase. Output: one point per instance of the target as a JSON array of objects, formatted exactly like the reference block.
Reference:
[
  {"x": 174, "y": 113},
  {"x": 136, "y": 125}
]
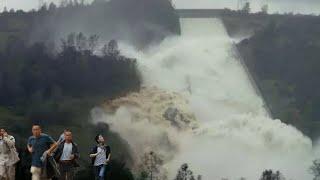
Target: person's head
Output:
[
  {"x": 67, "y": 135},
  {"x": 36, "y": 130},
  {"x": 99, "y": 139},
  {"x": 2, "y": 132}
]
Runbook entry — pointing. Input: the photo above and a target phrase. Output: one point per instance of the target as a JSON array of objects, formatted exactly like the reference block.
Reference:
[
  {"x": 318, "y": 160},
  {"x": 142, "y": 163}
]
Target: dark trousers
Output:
[
  {"x": 99, "y": 172},
  {"x": 67, "y": 171}
]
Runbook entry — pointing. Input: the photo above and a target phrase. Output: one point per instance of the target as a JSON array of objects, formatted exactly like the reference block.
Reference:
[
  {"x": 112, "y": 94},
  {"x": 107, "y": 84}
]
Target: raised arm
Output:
[
  {"x": 93, "y": 152},
  {"x": 53, "y": 145},
  {"x": 76, "y": 153},
  {"x": 93, "y": 155},
  {"x": 52, "y": 148},
  {"x": 109, "y": 156},
  {"x": 29, "y": 146},
  {"x": 10, "y": 141}
]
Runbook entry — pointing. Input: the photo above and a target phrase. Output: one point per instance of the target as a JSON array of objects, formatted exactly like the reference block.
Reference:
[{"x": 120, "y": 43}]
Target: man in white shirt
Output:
[{"x": 67, "y": 155}]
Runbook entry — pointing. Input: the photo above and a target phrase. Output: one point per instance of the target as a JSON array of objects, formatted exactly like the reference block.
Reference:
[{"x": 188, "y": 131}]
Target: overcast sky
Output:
[{"x": 302, "y": 6}]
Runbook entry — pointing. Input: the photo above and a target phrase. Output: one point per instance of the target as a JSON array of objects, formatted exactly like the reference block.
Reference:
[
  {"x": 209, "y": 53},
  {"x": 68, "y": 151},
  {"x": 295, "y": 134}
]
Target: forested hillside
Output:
[
  {"x": 60, "y": 61},
  {"x": 138, "y": 22},
  {"x": 284, "y": 59}
]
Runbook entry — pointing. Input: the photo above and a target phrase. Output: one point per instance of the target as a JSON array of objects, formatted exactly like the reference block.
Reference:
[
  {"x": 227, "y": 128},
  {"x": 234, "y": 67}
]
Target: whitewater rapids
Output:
[{"x": 231, "y": 136}]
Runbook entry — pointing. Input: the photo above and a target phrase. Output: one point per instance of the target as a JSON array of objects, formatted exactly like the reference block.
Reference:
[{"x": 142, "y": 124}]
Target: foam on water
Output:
[{"x": 235, "y": 137}]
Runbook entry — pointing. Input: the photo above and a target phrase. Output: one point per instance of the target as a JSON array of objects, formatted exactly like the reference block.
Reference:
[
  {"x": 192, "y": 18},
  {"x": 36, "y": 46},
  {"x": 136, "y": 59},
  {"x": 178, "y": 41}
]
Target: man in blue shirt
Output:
[{"x": 39, "y": 145}]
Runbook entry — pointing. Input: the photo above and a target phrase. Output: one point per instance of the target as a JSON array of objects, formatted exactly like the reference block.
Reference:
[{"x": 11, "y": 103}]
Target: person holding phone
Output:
[{"x": 8, "y": 155}]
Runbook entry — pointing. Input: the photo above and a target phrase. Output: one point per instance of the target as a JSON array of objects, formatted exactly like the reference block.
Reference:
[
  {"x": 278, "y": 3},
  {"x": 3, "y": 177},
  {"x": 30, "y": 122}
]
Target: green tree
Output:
[
  {"x": 151, "y": 167},
  {"x": 52, "y": 7},
  {"x": 246, "y": 8},
  {"x": 5, "y": 10},
  {"x": 264, "y": 9},
  {"x": 113, "y": 49},
  {"x": 93, "y": 42},
  {"x": 315, "y": 169},
  {"x": 184, "y": 173}
]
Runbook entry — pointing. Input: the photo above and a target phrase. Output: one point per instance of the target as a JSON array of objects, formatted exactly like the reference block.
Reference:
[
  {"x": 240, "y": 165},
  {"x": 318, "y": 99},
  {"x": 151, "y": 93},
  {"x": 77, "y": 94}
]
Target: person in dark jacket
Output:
[
  {"x": 67, "y": 155},
  {"x": 100, "y": 155}
]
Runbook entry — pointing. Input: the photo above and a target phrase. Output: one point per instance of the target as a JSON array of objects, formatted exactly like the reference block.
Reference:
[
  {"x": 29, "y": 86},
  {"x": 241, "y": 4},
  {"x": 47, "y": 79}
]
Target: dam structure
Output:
[{"x": 200, "y": 13}]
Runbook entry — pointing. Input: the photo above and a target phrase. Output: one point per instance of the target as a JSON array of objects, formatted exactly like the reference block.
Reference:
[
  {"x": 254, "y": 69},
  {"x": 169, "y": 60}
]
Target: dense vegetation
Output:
[
  {"x": 284, "y": 58},
  {"x": 138, "y": 22},
  {"x": 35, "y": 82},
  {"x": 58, "y": 90},
  {"x": 53, "y": 75}
]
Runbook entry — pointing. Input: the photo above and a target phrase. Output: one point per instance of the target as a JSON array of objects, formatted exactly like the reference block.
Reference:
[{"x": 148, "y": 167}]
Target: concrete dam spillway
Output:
[{"x": 217, "y": 122}]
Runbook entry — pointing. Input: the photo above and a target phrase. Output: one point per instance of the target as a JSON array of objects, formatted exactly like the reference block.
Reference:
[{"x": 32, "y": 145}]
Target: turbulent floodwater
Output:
[{"x": 220, "y": 126}]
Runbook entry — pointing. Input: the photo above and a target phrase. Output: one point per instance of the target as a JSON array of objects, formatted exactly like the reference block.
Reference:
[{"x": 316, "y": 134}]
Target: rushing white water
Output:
[{"x": 235, "y": 137}]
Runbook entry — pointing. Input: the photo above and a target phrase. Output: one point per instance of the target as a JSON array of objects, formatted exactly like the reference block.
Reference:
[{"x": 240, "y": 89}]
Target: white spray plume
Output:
[{"x": 235, "y": 137}]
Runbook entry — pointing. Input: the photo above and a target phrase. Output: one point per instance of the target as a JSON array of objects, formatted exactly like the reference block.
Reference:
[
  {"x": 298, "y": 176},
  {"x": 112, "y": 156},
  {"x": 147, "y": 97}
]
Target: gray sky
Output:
[{"x": 302, "y": 6}]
